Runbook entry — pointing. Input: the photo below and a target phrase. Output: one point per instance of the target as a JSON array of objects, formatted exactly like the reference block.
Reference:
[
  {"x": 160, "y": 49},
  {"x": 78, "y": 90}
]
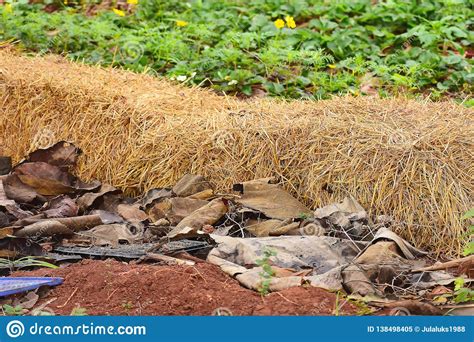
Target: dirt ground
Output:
[{"x": 111, "y": 287}]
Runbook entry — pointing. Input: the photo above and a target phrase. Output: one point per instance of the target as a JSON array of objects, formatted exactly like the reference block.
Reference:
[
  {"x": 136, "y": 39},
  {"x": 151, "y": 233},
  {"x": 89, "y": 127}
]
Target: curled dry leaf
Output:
[
  {"x": 62, "y": 226},
  {"x": 62, "y": 154},
  {"x": 174, "y": 209},
  {"x": 45, "y": 179},
  {"x": 270, "y": 199},
  {"x": 191, "y": 184},
  {"x": 155, "y": 195},
  {"x": 61, "y": 206},
  {"x": 131, "y": 213},
  {"x": 30, "y": 181},
  {"x": 206, "y": 215},
  {"x": 111, "y": 234},
  {"x": 20, "y": 192},
  {"x": 89, "y": 200}
]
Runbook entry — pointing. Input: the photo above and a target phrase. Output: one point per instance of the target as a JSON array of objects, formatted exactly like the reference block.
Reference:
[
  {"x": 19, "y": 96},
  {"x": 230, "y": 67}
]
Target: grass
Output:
[
  {"x": 29, "y": 261},
  {"x": 337, "y": 47}
]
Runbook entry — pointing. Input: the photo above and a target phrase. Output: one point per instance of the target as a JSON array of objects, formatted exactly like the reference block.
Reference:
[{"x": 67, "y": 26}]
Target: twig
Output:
[
  {"x": 67, "y": 301},
  {"x": 40, "y": 308},
  {"x": 111, "y": 294},
  {"x": 351, "y": 240},
  {"x": 458, "y": 306},
  {"x": 444, "y": 265},
  {"x": 240, "y": 226},
  {"x": 282, "y": 296},
  {"x": 168, "y": 259}
]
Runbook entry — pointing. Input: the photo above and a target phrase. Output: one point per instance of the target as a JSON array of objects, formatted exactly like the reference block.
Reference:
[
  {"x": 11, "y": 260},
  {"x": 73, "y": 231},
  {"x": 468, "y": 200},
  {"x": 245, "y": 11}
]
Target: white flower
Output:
[
  {"x": 233, "y": 82},
  {"x": 181, "y": 78},
  {"x": 193, "y": 74}
]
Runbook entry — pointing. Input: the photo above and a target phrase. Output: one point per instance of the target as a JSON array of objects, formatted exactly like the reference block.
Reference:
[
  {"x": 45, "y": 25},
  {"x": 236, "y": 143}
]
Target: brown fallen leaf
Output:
[
  {"x": 12, "y": 247},
  {"x": 11, "y": 210},
  {"x": 20, "y": 192},
  {"x": 203, "y": 195},
  {"x": 155, "y": 195},
  {"x": 111, "y": 234},
  {"x": 439, "y": 290},
  {"x": 270, "y": 199},
  {"x": 62, "y": 154},
  {"x": 174, "y": 209},
  {"x": 61, "y": 206},
  {"x": 208, "y": 214},
  {"x": 191, "y": 184},
  {"x": 62, "y": 226},
  {"x": 45, "y": 179},
  {"x": 131, "y": 213},
  {"x": 89, "y": 200},
  {"x": 43, "y": 229},
  {"x": 416, "y": 307}
]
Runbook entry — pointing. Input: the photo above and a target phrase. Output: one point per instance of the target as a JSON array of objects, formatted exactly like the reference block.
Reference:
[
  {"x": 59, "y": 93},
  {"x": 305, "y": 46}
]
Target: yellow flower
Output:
[
  {"x": 332, "y": 66},
  {"x": 120, "y": 13},
  {"x": 279, "y": 24},
  {"x": 132, "y": 2},
  {"x": 8, "y": 8},
  {"x": 181, "y": 23},
  {"x": 290, "y": 22}
]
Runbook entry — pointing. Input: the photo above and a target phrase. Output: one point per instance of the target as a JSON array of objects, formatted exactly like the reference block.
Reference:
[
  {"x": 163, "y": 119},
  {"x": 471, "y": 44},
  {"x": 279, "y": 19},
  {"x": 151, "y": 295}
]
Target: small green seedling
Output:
[
  {"x": 462, "y": 294},
  {"x": 267, "y": 273},
  {"x": 78, "y": 311},
  {"x": 303, "y": 216},
  {"x": 9, "y": 310},
  {"x": 469, "y": 250},
  {"x": 127, "y": 305}
]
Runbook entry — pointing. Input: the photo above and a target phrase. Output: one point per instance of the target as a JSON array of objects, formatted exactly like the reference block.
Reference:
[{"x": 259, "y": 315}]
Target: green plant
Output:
[
  {"x": 337, "y": 47},
  {"x": 9, "y": 310},
  {"x": 127, "y": 305},
  {"x": 469, "y": 250},
  {"x": 78, "y": 311},
  {"x": 303, "y": 216},
  {"x": 337, "y": 305},
  {"x": 267, "y": 272},
  {"x": 29, "y": 261},
  {"x": 462, "y": 294}
]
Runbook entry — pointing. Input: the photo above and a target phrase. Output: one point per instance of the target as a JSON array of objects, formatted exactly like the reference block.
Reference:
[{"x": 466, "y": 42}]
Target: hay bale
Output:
[{"x": 408, "y": 159}]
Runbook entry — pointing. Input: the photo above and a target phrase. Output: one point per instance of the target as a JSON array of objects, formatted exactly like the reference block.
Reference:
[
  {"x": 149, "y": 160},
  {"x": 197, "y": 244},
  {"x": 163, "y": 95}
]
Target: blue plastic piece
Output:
[{"x": 12, "y": 285}]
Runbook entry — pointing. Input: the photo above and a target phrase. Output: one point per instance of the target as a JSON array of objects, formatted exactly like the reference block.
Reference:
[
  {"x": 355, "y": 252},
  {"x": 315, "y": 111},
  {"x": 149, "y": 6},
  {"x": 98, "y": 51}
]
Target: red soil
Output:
[{"x": 114, "y": 288}]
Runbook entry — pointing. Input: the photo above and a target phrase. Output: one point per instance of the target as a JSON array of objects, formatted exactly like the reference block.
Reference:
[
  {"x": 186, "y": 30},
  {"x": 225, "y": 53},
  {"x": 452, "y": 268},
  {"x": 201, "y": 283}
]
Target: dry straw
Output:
[{"x": 411, "y": 160}]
